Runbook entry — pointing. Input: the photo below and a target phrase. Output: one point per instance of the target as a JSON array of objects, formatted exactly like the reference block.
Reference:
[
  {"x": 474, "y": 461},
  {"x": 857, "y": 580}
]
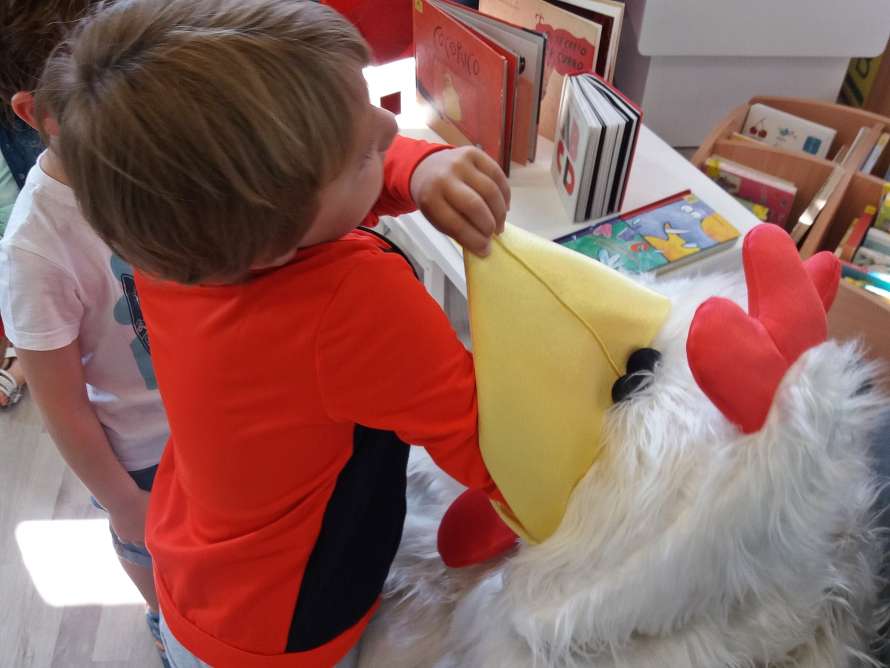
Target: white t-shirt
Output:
[{"x": 59, "y": 282}]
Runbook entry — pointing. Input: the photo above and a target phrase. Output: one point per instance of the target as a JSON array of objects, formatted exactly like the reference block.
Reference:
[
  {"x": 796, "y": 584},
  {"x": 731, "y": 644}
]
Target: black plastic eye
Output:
[{"x": 639, "y": 366}]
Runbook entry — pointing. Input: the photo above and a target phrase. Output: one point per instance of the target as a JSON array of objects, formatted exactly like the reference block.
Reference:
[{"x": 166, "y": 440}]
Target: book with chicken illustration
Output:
[
  {"x": 482, "y": 76},
  {"x": 665, "y": 235}
]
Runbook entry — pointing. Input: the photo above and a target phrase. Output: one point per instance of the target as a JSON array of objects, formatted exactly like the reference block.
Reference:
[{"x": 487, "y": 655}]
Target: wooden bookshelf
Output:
[{"x": 856, "y": 314}]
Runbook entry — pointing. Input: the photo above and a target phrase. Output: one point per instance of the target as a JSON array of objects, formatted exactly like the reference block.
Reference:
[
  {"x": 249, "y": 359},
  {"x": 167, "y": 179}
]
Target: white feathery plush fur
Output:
[{"x": 687, "y": 544}]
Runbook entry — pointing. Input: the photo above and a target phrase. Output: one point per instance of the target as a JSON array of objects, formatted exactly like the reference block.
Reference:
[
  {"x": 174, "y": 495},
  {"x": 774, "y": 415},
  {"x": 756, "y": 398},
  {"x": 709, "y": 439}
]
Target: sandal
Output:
[{"x": 9, "y": 386}]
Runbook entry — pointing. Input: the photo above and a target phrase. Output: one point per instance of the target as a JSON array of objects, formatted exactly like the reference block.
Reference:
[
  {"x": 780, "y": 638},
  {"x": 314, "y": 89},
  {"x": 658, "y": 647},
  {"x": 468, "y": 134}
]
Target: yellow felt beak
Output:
[{"x": 552, "y": 331}]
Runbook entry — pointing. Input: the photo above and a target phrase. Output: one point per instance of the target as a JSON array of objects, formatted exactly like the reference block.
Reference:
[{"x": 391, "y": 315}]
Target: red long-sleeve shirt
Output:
[{"x": 279, "y": 502}]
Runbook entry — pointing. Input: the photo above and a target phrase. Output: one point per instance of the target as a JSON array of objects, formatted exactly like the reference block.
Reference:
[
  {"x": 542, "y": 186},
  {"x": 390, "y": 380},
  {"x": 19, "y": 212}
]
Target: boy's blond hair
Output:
[{"x": 197, "y": 134}]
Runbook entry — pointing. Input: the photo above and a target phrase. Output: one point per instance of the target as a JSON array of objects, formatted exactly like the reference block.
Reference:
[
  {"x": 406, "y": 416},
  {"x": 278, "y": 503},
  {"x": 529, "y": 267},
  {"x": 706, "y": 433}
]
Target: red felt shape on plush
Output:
[
  {"x": 472, "y": 532},
  {"x": 738, "y": 359}
]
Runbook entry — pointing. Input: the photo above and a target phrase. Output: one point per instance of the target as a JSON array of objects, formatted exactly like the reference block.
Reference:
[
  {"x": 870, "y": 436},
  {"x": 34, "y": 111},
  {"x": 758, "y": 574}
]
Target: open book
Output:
[
  {"x": 583, "y": 37},
  {"x": 484, "y": 78}
]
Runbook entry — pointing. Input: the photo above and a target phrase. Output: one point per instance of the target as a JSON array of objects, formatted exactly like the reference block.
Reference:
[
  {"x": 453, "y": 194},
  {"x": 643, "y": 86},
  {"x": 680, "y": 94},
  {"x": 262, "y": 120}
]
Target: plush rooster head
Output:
[
  {"x": 724, "y": 518},
  {"x": 738, "y": 358}
]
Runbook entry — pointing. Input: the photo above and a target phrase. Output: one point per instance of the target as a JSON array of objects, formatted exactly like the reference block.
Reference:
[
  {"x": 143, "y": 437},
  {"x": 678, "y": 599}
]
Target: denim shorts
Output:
[
  {"x": 131, "y": 552},
  {"x": 179, "y": 657}
]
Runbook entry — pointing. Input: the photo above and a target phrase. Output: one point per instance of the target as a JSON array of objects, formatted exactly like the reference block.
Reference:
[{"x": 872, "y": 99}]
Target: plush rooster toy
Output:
[{"x": 685, "y": 471}]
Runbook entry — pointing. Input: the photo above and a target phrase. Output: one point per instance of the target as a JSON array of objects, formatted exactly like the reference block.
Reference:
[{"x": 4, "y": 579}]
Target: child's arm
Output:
[
  {"x": 461, "y": 191},
  {"x": 402, "y": 159},
  {"x": 387, "y": 358},
  {"x": 57, "y": 385}
]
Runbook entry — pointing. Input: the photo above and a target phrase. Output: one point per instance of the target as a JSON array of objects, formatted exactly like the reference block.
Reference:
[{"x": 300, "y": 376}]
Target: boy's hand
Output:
[
  {"x": 464, "y": 194},
  {"x": 128, "y": 520}
]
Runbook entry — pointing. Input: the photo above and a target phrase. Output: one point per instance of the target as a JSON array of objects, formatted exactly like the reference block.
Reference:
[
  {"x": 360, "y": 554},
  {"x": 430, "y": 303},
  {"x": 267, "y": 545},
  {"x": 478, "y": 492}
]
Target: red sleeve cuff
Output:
[{"x": 401, "y": 160}]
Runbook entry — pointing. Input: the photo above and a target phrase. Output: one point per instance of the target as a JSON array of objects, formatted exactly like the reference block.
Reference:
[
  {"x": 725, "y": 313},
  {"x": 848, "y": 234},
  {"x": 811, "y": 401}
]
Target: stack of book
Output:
[
  {"x": 865, "y": 248},
  {"x": 598, "y": 130},
  {"x": 769, "y": 197},
  {"x": 784, "y": 130},
  {"x": 494, "y": 77},
  {"x": 656, "y": 238}
]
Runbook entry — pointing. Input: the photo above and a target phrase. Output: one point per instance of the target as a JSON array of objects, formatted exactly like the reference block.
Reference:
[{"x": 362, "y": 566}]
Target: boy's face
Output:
[{"x": 345, "y": 202}]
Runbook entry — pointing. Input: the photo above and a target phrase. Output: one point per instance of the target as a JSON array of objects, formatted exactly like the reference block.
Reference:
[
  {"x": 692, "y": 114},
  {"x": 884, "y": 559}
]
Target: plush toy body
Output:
[{"x": 691, "y": 542}]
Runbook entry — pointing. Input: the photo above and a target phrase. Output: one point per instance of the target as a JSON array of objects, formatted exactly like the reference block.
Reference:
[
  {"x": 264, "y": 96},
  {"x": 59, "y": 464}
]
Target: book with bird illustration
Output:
[{"x": 656, "y": 238}]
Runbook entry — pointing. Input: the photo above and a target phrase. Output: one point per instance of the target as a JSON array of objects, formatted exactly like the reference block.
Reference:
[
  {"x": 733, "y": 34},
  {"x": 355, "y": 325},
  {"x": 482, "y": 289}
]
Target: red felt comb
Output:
[{"x": 738, "y": 359}]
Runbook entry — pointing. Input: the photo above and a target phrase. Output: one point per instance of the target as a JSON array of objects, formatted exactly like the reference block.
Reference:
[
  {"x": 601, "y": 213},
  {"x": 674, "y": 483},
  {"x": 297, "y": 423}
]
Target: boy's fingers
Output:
[
  {"x": 489, "y": 191},
  {"x": 487, "y": 165},
  {"x": 463, "y": 232},
  {"x": 469, "y": 204}
]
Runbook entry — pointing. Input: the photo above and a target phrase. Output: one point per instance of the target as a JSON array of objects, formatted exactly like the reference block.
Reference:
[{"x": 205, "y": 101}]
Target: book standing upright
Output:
[
  {"x": 482, "y": 76},
  {"x": 583, "y": 37}
]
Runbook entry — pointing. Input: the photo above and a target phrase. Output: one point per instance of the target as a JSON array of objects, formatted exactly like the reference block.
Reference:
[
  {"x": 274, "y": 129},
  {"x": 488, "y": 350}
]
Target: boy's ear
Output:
[{"x": 25, "y": 108}]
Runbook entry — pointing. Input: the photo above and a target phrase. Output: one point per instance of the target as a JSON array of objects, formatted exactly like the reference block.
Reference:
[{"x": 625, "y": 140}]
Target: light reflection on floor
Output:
[{"x": 72, "y": 562}]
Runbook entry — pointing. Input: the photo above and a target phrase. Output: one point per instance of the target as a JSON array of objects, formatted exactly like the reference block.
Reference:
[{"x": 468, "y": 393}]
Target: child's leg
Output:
[
  {"x": 137, "y": 564},
  {"x": 144, "y": 580}
]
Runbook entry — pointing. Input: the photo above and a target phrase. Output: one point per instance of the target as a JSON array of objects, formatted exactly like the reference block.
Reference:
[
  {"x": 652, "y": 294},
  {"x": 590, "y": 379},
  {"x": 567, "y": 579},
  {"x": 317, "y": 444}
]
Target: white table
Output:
[{"x": 658, "y": 171}]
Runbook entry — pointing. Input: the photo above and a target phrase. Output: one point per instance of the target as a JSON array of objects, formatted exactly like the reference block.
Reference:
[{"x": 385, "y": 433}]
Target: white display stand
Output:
[
  {"x": 657, "y": 171},
  {"x": 688, "y": 62}
]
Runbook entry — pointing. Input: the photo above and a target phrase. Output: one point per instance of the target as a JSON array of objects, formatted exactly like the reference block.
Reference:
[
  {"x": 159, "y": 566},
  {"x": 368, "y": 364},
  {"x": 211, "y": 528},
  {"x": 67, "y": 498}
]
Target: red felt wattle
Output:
[
  {"x": 472, "y": 532},
  {"x": 738, "y": 359}
]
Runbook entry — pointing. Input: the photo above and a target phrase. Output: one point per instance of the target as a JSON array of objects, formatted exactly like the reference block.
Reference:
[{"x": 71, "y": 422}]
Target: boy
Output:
[
  {"x": 69, "y": 308},
  {"x": 229, "y": 150}
]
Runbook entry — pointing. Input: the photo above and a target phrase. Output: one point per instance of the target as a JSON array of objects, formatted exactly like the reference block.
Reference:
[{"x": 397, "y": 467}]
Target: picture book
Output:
[
  {"x": 872, "y": 160},
  {"x": 582, "y": 36},
  {"x": 861, "y": 138},
  {"x": 531, "y": 48},
  {"x": 859, "y": 80},
  {"x": 759, "y": 187},
  {"x": 855, "y": 234},
  {"x": 614, "y": 243},
  {"x": 805, "y": 223},
  {"x": 598, "y": 130},
  {"x": 877, "y": 240},
  {"x": 863, "y": 275},
  {"x": 784, "y": 130},
  {"x": 662, "y": 236},
  {"x": 872, "y": 260},
  {"x": 482, "y": 77},
  {"x": 882, "y": 222}
]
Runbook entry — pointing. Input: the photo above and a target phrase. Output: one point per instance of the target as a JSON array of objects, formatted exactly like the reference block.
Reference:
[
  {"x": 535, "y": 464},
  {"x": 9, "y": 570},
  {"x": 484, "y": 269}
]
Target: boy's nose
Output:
[{"x": 388, "y": 129}]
